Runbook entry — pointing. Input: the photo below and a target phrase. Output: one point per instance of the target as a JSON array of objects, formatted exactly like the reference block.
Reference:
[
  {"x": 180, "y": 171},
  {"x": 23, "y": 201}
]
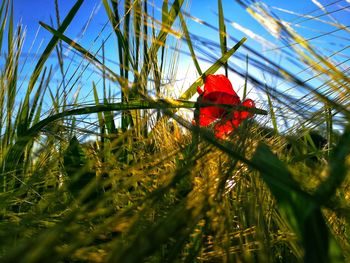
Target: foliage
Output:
[{"x": 155, "y": 187}]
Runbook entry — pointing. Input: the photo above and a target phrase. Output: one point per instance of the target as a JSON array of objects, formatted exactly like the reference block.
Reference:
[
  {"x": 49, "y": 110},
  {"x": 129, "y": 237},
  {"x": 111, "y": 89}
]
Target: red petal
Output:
[
  {"x": 221, "y": 98},
  {"x": 218, "y": 89},
  {"x": 250, "y": 104},
  {"x": 224, "y": 129},
  {"x": 218, "y": 83},
  {"x": 207, "y": 115},
  {"x": 214, "y": 112}
]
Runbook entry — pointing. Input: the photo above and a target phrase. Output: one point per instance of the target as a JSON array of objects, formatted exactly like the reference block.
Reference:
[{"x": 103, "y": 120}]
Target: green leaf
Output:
[
  {"x": 299, "y": 208},
  {"x": 338, "y": 168}
]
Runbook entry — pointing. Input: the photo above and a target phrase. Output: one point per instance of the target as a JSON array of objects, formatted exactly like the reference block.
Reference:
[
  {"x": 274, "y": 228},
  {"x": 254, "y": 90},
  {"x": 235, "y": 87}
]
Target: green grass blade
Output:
[
  {"x": 189, "y": 43},
  {"x": 99, "y": 114},
  {"x": 245, "y": 79},
  {"x": 165, "y": 23},
  {"x": 153, "y": 49},
  {"x": 126, "y": 54},
  {"x": 110, "y": 125},
  {"x": 3, "y": 17},
  {"x": 137, "y": 31},
  {"x": 277, "y": 176},
  {"x": 10, "y": 34},
  {"x": 39, "y": 93},
  {"x": 272, "y": 113},
  {"x": 298, "y": 208},
  {"x": 211, "y": 70},
  {"x": 123, "y": 46},
  {"x": 329, "y": 122},
  {"x": 55, "y": 104},
  {"x": 11, "y": 68},
  {"x": 83, "y": 51},
  {"x": 19, "y": 146},
  {"x": 338, "y": 168},
  {"x": 165, "y": 13},
  {"x": 145, "y": 32},
  {"x": 115, "y": 21},
  {"x": 40, "y": 64},
  {"x": 140, "y": 82},
  {"x": 222, "y": 34}
]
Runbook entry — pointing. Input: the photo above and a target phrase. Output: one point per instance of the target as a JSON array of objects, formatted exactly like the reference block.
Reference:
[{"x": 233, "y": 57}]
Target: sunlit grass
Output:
[{"x": 127, "y": 178}]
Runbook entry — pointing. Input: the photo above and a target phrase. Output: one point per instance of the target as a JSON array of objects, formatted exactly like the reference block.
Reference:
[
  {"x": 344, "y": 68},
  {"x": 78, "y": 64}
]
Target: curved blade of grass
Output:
[
  {"x": 10, "y": 33},
  {"x": 165, "y": 24},
  {"x": 40, "y": 64},
  {"x": 18, "y": 148},
  {"x": 133, "y": 105}
]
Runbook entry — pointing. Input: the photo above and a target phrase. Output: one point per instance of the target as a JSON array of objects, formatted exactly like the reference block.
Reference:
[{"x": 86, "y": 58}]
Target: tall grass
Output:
[{"x": 153, "y": 187}]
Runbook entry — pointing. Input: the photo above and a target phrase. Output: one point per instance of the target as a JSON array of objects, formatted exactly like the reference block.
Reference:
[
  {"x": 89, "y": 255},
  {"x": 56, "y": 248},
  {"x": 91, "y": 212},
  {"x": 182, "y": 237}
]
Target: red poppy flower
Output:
[{"x": 218, "y": 89}]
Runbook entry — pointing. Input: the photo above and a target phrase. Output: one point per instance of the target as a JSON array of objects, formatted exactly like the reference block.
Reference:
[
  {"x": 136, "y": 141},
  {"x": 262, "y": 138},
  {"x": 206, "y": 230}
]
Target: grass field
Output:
[{"x": 130, "y": 178}]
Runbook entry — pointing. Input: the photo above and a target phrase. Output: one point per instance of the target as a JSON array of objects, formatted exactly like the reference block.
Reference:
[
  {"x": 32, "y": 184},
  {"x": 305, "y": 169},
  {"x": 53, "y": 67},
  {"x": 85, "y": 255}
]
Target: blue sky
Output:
[{"x": 29, "y": 13}]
